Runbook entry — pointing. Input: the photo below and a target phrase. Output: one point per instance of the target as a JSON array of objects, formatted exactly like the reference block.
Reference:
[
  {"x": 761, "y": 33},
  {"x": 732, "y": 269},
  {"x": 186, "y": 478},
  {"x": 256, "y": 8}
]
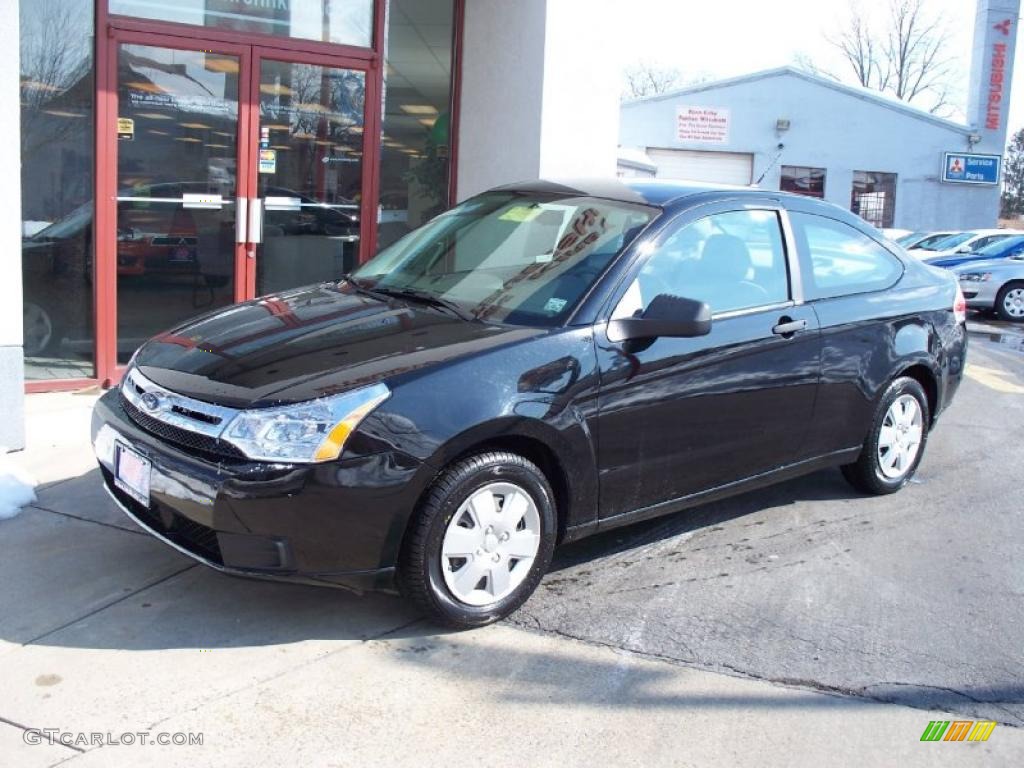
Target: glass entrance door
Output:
[
  {"x": 309, "y": 172},
  {"x": 240, "y": 172},
  {"x": 179, "y": 233}
]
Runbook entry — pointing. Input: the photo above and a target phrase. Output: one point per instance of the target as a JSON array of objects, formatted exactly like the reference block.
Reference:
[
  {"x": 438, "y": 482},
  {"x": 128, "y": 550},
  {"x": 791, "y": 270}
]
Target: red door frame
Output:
[
  {"x": 370, "y": 148},
  {"x": 110, "y": 29}
]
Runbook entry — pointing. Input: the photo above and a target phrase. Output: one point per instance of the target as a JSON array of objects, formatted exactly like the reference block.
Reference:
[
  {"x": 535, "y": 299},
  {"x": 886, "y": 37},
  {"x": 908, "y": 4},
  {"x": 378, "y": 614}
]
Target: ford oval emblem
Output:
[{"x": 150, "y": 401}]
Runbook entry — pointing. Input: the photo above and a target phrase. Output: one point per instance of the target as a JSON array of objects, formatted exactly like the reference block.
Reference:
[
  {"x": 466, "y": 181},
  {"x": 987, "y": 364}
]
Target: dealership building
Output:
[
  {"x": 181, "y": 155},
  {"x": 178, "y": 156},
  {"x": 894, "y": 165}
]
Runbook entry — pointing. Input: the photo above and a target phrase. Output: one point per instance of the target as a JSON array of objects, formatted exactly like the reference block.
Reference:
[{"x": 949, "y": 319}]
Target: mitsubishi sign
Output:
[{"x": 969, "y": 168}]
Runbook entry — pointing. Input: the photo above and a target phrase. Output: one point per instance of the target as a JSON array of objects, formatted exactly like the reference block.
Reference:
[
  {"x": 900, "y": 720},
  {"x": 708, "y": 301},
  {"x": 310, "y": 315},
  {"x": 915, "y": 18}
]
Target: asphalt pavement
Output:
[{"x": 915, "y": 598}]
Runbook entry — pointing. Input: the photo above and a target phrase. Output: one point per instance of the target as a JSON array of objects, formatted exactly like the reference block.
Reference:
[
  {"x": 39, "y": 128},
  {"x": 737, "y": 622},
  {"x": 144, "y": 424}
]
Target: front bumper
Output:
[
  {"x": 980, "y": 294},
  {"x": 338, "y": 523}
]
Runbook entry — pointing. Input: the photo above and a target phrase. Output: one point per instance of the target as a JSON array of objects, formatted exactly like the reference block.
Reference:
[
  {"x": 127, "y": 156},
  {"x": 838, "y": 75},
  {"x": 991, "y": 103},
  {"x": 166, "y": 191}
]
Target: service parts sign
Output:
[{"x": 704, "y": 125}]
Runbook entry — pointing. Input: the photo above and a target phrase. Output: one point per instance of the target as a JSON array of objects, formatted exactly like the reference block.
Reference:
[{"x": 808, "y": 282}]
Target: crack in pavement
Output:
[
  {"x": 112, "y": 603},
  {"x": 41, "y": 508},
  {"x": 860, "y": 692},
  {"x": 27, "y": 728},
  {"x": 280, "y": 673}
]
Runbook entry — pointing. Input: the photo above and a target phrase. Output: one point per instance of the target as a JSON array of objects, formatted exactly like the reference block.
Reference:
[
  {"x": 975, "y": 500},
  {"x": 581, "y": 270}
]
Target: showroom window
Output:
[
  {"x": 802, "y": 180},
  {"x": 57, "y": 178},
  {"x": 349, "y": 22},
  {"x": 874, "y": 197},
  {"x": 416, "y": 140},
  {"x": 843, "y": 260}
]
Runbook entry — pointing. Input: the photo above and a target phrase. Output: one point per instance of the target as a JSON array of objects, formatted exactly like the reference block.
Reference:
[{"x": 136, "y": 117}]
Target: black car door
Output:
[{"x": 678, "y": 416}]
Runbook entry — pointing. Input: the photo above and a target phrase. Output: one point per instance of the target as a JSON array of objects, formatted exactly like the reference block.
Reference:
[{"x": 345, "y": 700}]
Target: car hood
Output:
[
  {"x": 990, "y": 265},
  {"x": 309, "y": 343}
]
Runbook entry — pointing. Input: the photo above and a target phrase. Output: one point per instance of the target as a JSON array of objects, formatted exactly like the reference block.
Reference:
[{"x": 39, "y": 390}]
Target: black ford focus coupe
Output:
[{"x": 542, "y": 362}]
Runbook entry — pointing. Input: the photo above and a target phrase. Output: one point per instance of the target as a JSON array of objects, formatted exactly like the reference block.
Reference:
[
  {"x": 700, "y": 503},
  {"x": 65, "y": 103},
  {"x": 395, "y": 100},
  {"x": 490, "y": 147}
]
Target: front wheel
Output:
[
  {"x": 481, "y": 540},
  {"x": 894, "y": 446},
  {"x": 1010, "y": 302}
]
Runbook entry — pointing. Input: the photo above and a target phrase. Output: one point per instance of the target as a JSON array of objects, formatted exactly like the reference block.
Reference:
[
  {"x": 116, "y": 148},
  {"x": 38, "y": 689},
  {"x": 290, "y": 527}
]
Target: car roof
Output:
[
  {"x": 656, "y": 192},
  {"x": 988, "y": 232}
]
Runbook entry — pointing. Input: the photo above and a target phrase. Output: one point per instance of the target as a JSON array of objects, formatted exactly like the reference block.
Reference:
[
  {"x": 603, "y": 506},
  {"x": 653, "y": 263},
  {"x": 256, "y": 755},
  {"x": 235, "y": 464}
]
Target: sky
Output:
[{"x": 726, "y": 38}]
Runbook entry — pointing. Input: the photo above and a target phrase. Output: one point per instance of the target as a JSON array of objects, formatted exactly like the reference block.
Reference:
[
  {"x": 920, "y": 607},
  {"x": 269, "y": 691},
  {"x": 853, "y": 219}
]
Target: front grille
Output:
[
  {"x": 188, "y": 534},
  {"x": 208, "y": 447}
]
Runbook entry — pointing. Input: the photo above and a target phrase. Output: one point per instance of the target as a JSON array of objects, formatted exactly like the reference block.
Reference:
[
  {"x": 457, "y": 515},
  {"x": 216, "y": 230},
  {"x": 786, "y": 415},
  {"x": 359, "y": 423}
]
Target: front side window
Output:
[
  {"x": 874, "y": 197},
  {"x": 801, "y": 180},
  {"x": 731, "y": 261},
  {"x": 843, "y": 261},
  {"x": 507, "y": 257}
]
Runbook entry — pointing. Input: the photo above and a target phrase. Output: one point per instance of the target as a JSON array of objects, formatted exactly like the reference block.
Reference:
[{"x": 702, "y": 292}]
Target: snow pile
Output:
[{"x": 16, "y": 487}]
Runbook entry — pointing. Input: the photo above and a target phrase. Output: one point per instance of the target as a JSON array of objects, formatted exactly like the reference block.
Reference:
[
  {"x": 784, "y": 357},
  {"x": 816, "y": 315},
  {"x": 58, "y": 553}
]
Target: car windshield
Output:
[
  {"x": 1001, "y": 246},
  {"x": 949, "y": 242},
  {"x": 909, "y": 238},
  {"x": 508, "y": 257}
]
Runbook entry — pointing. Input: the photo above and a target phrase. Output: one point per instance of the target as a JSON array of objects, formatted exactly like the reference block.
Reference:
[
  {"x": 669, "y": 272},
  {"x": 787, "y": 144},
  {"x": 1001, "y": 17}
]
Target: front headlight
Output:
[
  {"x": 975, "y": 277},
  {"x": 305, "y": 432}
]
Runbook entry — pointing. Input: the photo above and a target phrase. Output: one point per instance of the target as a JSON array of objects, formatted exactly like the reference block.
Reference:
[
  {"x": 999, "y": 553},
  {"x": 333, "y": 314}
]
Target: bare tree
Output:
[
  {"x": 644, "y": 79},
  {"x": 905, "y": 54}
]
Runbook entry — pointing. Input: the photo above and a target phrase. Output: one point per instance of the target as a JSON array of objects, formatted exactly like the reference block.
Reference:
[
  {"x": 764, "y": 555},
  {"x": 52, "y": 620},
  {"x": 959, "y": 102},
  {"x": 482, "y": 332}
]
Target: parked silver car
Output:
[{"x": 996, "y": 285}]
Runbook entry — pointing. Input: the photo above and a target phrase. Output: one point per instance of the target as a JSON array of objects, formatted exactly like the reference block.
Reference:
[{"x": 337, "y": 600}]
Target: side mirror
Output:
[
  {"x": 666, "y": 315},
  {"x": 964, "y": 249}
]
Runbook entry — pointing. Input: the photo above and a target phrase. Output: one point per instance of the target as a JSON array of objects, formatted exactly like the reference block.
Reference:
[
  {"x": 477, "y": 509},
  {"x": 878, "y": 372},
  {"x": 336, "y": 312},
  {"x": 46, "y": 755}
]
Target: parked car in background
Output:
[
  {"x": 966, "y": 242},
  {"x": 895, "y": 234},
  {"x": 995, "y": 285},
  {"x": 542, "y": 362},
  {"x": 925, "y": 241},
  {"x": 1000, "y": 249}
]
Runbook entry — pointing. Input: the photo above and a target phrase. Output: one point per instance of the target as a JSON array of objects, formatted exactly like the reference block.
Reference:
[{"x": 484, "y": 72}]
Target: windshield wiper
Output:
[{"x": 430, "y": 299}]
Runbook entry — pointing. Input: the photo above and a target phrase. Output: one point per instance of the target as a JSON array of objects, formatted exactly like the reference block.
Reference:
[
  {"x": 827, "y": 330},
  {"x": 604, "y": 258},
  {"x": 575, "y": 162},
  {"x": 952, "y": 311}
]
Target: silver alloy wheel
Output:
[
  {"x": 38, "y": 328},
  {"x": 1013, "y": 303},
  {"x": 490, "y": 544},
  {"x": 899, "y": 439}
]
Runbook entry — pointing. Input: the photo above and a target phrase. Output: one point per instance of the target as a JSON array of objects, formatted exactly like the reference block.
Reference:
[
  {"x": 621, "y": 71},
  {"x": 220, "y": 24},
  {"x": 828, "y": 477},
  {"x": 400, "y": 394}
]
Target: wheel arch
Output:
[
  {"x": 558, "y": 455},
  {"x": 929, "y": 381}
]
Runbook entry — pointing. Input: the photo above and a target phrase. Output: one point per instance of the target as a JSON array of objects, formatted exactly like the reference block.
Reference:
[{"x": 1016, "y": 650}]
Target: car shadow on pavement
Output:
[
  {"x": 826, "y": 485},
  {"x": 80, "y": 573}
]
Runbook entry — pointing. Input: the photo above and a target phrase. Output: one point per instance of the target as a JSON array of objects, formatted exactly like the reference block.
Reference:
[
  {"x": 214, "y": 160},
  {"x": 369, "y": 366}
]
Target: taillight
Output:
[{"x": 960, "y": 306}]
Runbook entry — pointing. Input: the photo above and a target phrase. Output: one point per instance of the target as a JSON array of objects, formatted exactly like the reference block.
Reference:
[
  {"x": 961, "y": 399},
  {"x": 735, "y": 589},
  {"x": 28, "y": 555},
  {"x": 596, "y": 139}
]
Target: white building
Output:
[{"x": 787, "y": 129}]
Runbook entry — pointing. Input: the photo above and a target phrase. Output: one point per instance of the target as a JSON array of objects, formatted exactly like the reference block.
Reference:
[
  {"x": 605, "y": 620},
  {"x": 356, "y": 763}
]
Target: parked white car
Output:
[
  {"x": 924, "y": 239},
  {"x": 996, "y": 285},
  {"x": 968, "y": 241}
]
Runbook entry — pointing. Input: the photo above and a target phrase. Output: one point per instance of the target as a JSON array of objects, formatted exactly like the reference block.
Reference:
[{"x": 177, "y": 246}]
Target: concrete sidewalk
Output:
[{"x": 105, "y": 630}]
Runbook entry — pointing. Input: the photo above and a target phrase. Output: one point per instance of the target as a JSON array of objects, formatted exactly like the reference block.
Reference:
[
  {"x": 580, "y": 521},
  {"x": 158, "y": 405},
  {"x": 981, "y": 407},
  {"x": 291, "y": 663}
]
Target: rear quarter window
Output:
[{"x": 838, "y": 260}]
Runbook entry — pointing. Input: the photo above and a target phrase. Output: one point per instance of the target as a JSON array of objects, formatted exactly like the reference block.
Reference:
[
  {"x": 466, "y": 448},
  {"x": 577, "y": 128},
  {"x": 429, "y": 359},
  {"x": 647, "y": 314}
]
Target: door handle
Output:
[
  {"x": 241, "y": 218},
  {"x": 787, "y": 327},
  {"x": 255, "y": 234}
]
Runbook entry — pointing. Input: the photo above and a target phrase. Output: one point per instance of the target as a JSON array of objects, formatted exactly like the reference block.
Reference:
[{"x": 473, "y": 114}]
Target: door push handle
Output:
[
  {"x": 787, "y": 327},
  {"x": 256, "y": 220},
  {"x": 241, "y": 219}
]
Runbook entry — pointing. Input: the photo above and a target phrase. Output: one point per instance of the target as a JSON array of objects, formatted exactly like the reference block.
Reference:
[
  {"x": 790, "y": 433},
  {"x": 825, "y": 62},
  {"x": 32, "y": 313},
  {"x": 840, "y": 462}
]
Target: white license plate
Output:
[{"x": 131, "y": 472}]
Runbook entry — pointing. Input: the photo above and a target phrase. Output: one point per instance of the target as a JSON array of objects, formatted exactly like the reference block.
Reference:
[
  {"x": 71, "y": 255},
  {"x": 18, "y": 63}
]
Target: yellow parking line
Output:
[{"x": 993, "y": 379}]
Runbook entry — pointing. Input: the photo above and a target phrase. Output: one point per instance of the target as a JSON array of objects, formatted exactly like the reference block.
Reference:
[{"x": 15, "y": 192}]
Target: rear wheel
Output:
[
  {"x": 481, "y": 541},
  {"x": 894, "y": 446},
  {"x": 1010, "y": 302}
]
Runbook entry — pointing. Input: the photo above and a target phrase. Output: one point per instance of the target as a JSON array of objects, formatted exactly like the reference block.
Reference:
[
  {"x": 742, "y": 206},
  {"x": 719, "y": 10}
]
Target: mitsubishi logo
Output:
[
  {"x": 150, "y": 402},
  {"x": 1004, "y": 26}
]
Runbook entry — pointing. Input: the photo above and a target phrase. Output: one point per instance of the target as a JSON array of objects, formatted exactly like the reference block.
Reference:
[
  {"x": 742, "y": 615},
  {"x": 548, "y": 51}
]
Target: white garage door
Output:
[{"x": 715, "y": 167}]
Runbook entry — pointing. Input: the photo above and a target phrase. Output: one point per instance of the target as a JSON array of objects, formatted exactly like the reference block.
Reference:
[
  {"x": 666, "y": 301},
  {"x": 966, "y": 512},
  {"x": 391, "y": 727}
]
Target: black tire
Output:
[
  {"x": 1000, "y": 309},
  {"x": 420, "y": 577},
  {"x": 866, "y": 473}
]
